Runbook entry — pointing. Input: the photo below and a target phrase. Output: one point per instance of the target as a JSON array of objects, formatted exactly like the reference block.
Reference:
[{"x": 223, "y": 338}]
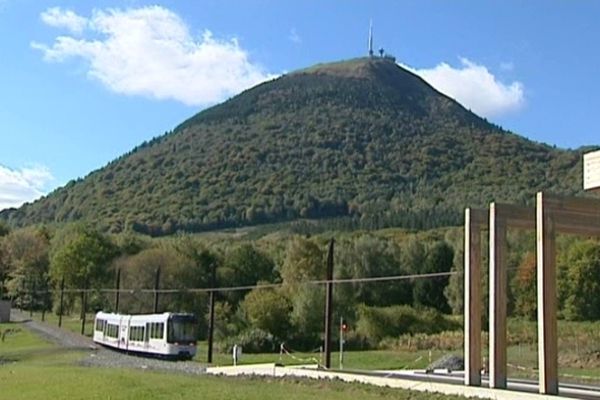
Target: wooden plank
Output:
[
  {"x": 497, "y": 299},
  {"x": 576, "y": 223},
  {"x": 475, "y": 221},
  {"x": 516, "y": 216},
  {"x": 583, "y": 205},
  {"x": 546, "y": 287}
]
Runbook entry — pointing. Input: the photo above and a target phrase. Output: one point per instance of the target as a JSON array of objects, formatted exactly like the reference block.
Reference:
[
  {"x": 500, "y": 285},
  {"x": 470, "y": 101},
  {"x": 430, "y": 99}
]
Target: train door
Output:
[
  {"x": 147, "y": 336},
  {"x": 125, "y": 325}
]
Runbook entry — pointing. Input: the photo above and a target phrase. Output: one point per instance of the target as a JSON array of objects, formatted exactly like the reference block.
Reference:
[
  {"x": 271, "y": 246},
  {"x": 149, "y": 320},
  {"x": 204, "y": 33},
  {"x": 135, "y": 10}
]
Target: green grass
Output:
[
  {"x": 366, "y": 360},
  {"x": 40, "y": 370},
  {"x": 69, "y": 322},
  {"x": 578, "y": 343},
  {"x": 19, "y": 342}
]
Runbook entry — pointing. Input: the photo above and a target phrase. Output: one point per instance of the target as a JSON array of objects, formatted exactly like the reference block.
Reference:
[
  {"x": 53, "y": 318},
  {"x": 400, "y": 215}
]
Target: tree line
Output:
[{"x": 35, "y": 260}]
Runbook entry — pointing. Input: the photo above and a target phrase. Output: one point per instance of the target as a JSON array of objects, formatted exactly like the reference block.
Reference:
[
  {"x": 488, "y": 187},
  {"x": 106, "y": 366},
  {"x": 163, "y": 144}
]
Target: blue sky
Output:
[{"x": 83, "y": 82}]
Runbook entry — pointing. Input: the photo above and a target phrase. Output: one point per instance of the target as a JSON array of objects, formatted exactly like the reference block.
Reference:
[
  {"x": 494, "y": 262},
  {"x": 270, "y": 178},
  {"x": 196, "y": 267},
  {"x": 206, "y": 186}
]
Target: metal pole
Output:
[
  {"x": 341, "y": 342},
  {"x": 211, "y": 318},
  {"x": 329, "y": 305},
  {"x": 117, "y": 286},
  {"x": 156, "y": 284},
  {"x": 62, "y": 296}
]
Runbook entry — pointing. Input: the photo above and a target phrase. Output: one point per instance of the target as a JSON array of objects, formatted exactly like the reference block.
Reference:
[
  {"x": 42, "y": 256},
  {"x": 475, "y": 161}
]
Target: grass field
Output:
[
  {"x": 579, "y": 344},
  {"x": 34, "y": 369}
]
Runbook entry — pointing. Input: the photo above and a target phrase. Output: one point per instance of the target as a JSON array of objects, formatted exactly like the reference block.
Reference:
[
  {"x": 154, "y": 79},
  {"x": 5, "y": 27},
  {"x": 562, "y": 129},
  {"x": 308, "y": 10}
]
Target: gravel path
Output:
[
  {"x": 99, "y": 356},
  {"x": 53, "y": 334}
]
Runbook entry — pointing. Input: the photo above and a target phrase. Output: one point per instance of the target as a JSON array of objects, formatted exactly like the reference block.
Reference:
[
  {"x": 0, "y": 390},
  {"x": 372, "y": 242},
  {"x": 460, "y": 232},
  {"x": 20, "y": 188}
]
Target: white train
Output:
[{"x": 169, "y": 335}]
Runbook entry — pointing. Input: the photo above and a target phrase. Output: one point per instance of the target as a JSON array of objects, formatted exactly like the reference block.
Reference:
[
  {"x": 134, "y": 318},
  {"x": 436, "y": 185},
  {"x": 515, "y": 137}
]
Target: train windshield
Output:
[{"x": 182, "y": 328}]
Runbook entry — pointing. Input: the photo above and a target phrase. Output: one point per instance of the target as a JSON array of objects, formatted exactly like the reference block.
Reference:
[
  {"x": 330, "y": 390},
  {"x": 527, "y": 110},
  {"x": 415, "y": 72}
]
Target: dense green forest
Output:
[
  {"x": 362, "y": 140},
  {"x": 290, "y": 306}
]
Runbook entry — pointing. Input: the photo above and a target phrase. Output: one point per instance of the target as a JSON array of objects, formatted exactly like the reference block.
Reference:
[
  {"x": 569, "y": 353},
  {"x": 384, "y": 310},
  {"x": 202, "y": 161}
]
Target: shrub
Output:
[
  {"x": 252, "y": 341},
  {"x": 377, "y": 323}
]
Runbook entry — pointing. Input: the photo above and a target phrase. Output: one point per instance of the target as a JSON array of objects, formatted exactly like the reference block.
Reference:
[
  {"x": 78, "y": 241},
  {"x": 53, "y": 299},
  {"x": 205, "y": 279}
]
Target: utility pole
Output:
[
  {"x": 84, "y": 307},
  {"x": 117, "y": 287},
  {"x": 156, "y": 284},
  {"x": 329, "y": 305},
  {"x": 62, "y": 296}
]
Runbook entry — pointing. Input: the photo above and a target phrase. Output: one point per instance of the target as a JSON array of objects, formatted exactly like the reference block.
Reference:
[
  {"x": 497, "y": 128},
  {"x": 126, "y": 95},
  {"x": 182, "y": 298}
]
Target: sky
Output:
[{"x": 83, "y": 82}]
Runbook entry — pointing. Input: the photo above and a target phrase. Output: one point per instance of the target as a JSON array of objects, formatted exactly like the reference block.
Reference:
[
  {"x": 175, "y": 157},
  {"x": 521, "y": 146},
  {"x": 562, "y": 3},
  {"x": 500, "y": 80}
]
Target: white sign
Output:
[{"x": 591, "y": 171}]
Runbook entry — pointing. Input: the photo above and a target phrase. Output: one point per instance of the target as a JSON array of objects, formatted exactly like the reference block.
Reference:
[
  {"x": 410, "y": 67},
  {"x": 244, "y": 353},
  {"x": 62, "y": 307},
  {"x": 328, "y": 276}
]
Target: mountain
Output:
[{"x": 362, "y": 138}]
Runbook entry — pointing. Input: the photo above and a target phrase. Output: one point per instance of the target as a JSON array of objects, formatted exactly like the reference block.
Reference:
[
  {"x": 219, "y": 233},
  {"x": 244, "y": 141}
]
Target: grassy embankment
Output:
[{"x": 34, "y": 369}]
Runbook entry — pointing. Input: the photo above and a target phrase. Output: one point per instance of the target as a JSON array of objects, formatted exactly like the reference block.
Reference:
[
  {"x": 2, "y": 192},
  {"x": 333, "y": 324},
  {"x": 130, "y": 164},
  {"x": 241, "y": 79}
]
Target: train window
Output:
[
  {"x": 182, "y": 329},
  {"x": 136, "y": 333},
  {"x": 99, "y": 325},
  {"x": 112, "y": 330}
]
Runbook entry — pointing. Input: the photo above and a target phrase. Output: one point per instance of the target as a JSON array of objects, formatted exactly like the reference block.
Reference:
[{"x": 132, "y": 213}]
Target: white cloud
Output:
[
  {"x": 149, "y": 51},
  {"x": 475, "y": 87},
  {"x": 23, "y": 185},
  {"x": 60, "y": 18},
  {"x": 294, "y": 37}
]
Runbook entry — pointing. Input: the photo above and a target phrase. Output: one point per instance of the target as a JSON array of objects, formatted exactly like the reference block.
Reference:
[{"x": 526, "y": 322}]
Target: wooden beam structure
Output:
[
  {"x": 502, "y": 216},
  {"x": 475, "y": 222},
  {"x": 579, "y": 216}
]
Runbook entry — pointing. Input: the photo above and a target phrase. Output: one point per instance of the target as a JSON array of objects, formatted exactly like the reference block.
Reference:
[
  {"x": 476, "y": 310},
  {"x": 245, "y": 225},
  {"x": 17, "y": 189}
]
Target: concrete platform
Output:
[{"x": 450, "y": 384}]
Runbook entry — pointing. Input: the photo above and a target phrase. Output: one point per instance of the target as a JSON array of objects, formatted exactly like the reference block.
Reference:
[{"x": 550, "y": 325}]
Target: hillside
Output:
[{"x": 362, "y": 138}]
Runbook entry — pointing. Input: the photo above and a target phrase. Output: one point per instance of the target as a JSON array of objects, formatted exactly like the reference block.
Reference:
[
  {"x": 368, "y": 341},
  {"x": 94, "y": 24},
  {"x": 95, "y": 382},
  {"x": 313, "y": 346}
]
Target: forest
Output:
[
  {"x": 364, "y": 141},
  {"x": 278, "y": 297}
]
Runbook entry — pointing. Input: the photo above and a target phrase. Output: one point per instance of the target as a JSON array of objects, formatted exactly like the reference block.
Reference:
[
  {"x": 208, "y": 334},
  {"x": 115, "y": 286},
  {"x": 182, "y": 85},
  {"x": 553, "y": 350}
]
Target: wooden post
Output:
[
  {"x": 118, "y": 288},
  {"x": 329, "y": 305},
  {"x": 497, "y": 300},
  {"x": 546, "y": 287},
  {"x": 62, "y": 296},
  {"x": 156, "y": 285},
  {"x": 211, "y": 314},
  {"x": 474, "y": 220}
]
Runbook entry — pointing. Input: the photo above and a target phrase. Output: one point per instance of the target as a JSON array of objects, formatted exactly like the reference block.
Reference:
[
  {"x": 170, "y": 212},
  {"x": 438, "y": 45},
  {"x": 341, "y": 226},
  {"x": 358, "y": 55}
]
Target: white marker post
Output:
[
  {"x": 237, "y": 354},
  {"x": 343, "y": 328}
]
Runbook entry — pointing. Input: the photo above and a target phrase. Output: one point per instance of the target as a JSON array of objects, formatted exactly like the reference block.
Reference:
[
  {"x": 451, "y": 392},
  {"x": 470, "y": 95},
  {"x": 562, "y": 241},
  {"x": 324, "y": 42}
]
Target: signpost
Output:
[{"x": 591, "y": 171}]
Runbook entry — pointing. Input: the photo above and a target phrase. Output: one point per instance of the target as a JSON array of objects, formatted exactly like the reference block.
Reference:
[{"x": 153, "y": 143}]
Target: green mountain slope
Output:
[{"x": 363, "y": 138}]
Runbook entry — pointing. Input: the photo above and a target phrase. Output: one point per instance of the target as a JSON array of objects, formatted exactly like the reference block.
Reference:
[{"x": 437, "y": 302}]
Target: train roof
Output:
[{"x": 165, "y": 315}]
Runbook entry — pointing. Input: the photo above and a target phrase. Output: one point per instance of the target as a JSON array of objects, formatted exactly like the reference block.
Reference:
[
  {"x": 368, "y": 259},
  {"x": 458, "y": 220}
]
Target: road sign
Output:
[{"x": 591, "y": 171}]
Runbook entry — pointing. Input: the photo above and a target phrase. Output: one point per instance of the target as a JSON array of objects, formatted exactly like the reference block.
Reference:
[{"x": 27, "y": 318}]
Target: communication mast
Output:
[{"x": 371, "y": 39}]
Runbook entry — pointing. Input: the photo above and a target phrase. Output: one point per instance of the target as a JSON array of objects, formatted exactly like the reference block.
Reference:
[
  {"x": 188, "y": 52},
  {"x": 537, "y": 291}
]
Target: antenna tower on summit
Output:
[{"x": 371, "y": 39}]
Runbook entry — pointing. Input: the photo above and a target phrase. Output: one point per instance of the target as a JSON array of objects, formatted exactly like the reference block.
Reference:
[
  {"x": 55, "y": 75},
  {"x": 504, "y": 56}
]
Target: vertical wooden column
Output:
[
  {"x": 497, "y": 299},
  {"x": 546, "y": 296},
  {"x": 329, "y": 305},
  {"x": 211, "y": 311},
  {"x": 472, "y": 302}
]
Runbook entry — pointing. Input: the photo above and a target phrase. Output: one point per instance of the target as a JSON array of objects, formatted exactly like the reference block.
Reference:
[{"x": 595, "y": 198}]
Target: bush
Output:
[
  {"x": 252, "y": 341},
  {"x": 377, "y": 323}
]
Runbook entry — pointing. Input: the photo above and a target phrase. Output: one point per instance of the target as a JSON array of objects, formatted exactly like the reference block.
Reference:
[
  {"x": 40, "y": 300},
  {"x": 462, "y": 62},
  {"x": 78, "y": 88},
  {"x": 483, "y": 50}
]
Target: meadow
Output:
[
  {"x": 31, "y": 368},
  {"x": 579, "y": 357}
]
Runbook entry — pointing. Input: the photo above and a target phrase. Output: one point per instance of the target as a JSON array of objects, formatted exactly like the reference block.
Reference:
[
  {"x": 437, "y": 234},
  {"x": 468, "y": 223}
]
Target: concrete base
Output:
[{"x": 408, "y": 380}]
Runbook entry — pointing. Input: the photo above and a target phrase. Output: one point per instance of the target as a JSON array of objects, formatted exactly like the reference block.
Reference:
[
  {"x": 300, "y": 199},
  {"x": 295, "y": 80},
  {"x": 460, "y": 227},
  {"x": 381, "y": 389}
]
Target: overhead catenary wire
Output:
[{"x": 261, "y": 286}]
